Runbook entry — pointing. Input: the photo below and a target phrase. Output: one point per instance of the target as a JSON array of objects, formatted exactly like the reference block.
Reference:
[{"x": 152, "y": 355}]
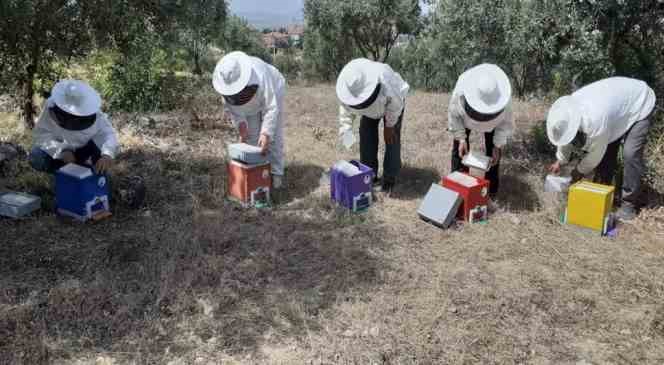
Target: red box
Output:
[
  {"x": 249, "y": 185},
  {"x": 475, "y": 194}
]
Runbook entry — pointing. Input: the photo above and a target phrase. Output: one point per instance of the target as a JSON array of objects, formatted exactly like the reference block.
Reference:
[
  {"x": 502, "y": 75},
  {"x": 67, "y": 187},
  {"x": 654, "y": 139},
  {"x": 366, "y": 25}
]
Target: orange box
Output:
[{"x": 249, "y": 185}]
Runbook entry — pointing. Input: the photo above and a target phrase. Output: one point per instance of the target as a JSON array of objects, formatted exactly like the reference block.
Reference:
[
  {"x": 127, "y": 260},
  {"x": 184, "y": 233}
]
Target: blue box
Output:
[
  {"x": 81, "y": 194},
  {"x": 353, "y": 192}
]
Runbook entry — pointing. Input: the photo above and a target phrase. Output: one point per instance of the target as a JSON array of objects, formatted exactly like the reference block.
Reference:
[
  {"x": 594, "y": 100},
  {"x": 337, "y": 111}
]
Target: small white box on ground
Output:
[
  {"x": 557, "y": 184},
  {"x": 440, "y": 206},
  {"x": 17, "y": 205}
]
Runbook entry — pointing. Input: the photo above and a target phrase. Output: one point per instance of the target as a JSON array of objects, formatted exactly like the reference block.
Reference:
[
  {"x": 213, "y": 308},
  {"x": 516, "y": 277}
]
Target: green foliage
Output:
[
  {"x": 338, "y": 31},
  {"x": 288, "y": 63},
  {"x": 136, "y": 76},
  {"x": 238, "y": 35},
  {"x": 196, "y": 23},
  {"x": 542, "y": 45}
]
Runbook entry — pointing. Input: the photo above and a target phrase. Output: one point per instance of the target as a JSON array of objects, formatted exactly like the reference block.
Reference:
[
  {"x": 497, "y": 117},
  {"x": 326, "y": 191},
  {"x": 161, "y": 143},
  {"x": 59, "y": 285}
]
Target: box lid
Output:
[
  {"x": 463, "y": 179},
  {"x": 244, "y": 147},
  {"x": 593, "y": 187},
  {"x": 76, "y": 171},
  {"x": 477, "y": 160},
  {"x": 18, "y": 199},
  {"x": 440, "y": 205},
  {"x": 347, "y": 168}
]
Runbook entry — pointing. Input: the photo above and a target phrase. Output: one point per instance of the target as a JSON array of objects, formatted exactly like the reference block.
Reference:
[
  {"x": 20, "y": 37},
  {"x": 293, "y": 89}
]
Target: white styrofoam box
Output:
[
  {"x": 246, "y": 153},
  {"x": 557, "y": 184},
  {"x": 476, "y": 160},
  {"x": 77, "y": 171},
  {"x": 16, "y": 205},
  {"x": 463, "y": 179},
  {"x": 347, "y": 168},
  {"x": 475, "y": 172},
  {"x": 440, "y": 206}
]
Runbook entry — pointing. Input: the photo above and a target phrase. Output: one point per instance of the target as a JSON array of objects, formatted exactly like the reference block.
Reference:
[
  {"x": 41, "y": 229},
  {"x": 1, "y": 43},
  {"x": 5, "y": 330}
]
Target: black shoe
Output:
[
  {"x": 377, "y": 181},
  {"x": 626, "y": 213},
  {"x": 387, "y": 186}
]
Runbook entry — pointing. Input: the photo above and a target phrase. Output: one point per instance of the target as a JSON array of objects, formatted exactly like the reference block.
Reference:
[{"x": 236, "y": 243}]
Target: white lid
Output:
[
  {"x": 17, "y": 199},
  {"x": 246, "y": 148},
  {"x": 476, "y": 160},
  {"x": 76, "y": 171},
  {"x": 347, "y": 168},
  {"x": 463, "y": 179}
]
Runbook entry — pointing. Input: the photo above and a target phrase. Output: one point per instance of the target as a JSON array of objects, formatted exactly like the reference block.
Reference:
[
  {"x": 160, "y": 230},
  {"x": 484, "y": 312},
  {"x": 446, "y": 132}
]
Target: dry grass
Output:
[{"x": 192, "y": 279}]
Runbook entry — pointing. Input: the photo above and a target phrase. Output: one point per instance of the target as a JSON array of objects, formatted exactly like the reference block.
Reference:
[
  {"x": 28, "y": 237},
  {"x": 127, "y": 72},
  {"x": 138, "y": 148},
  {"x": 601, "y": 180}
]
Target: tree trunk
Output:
[
  {"x": 197, "y": 58},
  {"x": 27, "y": 104}
]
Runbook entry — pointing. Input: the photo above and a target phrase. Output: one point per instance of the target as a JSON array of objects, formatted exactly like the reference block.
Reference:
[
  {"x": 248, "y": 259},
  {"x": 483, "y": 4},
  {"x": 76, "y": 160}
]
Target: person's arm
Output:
[
  {"x": 596, "y": 148},
  {"x": 455, "y": 123},
  {"x": 346, "y": 118},
  {"x": 393, "y": 110},
  {"x": 45, "y": 138},
  {"x": 273, "y": 103},
  {"x": 106, "y": 138},
  {"x": 235, "y": 118},
  {"x": 505, "y": 129},
  {"x": 564, "y": 153}
]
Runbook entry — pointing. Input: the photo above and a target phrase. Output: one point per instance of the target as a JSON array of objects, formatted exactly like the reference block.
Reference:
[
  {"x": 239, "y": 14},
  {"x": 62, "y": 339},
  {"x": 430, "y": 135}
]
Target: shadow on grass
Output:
[
  {"x": 183, "y": 276},
  {"x": 414, "y": 182},
  {"x": 515, "y": 193},
  {"x": 301, "y": 178}
]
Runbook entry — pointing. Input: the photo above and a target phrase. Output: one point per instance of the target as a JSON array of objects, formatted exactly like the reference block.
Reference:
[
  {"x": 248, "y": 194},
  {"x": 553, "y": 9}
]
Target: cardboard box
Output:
[
  {"x": 352, "y": 189},
  {"x": 81, "y": 194},
  {"x": 440, "y": 206},
  {"x": 475, "y": 194},
  {"x": 249, "y": 185},
  {"x": 589, "y": 205},
  {"x": 17, "y": 205}
]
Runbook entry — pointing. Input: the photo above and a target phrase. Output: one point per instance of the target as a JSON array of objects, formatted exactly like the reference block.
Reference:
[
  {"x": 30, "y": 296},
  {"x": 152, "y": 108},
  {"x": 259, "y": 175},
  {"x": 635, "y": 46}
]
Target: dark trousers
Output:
[
  {"x": 87, "y": 155},
  {"x": 634, "y": 143},
  {"x": 492, "y": 175},
  {"x": 369, "y": 148}
]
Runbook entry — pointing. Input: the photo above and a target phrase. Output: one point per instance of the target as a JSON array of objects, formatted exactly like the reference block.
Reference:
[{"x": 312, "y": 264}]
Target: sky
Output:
[
  {"x": 270, "y": 12},
  {"x": 293, "y": 7}
]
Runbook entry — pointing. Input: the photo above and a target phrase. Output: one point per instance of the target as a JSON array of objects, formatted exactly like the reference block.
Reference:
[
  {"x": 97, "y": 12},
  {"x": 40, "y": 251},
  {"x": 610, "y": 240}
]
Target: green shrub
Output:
[{"x": 289, "y": 64}]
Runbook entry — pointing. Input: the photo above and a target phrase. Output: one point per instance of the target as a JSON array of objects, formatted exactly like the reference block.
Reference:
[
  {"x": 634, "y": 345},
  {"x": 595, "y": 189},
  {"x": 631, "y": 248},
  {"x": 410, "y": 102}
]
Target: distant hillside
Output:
[{"x": 262, "y": 20}]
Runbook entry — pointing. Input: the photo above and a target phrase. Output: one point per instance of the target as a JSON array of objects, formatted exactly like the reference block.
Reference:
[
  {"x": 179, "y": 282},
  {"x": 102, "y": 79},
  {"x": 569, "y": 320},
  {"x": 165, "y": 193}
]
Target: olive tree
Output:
[{"x": 339, "y": 30}]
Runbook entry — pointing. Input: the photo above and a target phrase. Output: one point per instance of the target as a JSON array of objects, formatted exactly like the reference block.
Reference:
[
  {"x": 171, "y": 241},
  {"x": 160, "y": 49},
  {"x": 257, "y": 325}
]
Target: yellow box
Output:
[{"x": 589, "y": 205}]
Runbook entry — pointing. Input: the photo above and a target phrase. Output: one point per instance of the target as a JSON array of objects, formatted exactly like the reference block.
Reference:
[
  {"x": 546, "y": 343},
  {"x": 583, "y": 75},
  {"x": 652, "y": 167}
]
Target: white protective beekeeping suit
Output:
[
  {"x": 53, "y": 139},
  {"x": 389, "y": 104},
  {"x": 609, "y": 108},
  {"x": 264, "y": 114},
  {"x": 458, "y": 121}
]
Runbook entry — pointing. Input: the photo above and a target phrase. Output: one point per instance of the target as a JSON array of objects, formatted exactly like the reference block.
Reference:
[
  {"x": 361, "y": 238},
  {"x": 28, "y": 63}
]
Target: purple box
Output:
[{"x": 353, "y": 192}]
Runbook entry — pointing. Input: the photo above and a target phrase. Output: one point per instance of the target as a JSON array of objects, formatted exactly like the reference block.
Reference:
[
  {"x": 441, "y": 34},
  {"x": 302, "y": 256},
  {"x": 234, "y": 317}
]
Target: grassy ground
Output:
[{"x": 192, "y": 279}]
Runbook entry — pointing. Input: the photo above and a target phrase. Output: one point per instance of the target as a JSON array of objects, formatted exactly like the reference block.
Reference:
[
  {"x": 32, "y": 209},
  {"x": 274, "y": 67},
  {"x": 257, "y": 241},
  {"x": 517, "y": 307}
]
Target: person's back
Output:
[{"x": 617, "y": 101}]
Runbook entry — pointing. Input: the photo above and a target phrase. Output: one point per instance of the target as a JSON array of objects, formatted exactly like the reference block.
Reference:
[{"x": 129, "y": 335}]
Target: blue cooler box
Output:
[
  {"x": 353, "y": 192},
  {"x": 81, "y": 194}
]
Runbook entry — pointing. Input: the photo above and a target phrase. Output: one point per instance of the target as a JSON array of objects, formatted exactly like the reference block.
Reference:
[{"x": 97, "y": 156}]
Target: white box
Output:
[{"x": 16, "y": 205}]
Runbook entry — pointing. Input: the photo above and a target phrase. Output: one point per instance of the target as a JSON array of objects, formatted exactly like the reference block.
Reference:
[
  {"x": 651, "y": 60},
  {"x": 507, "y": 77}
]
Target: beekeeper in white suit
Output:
[
  {"x": 373, "y": 91},
  {"x": 72, "y": 129},
  {"x": 481, "y": 102},
  {"x": 607, "y": 113},
  {"x": 254, "y": 94}
]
